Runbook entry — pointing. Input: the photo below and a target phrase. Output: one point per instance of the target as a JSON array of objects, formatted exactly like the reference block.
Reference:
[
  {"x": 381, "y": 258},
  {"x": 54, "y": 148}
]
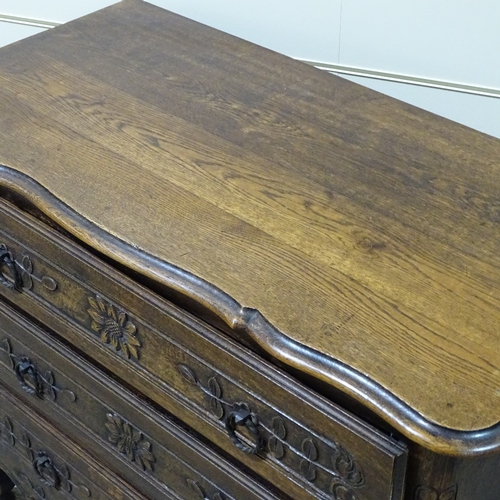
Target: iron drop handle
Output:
[
  {"x": 7, "y": 261},
  {"x": 241, "y": 416}
]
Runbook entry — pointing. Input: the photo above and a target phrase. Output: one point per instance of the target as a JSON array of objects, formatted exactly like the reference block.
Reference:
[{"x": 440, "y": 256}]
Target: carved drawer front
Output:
[
  {"x": 44, "y": 464},
  {"x": 299, "y": 441},
  {"x": 121, "y": 430}
]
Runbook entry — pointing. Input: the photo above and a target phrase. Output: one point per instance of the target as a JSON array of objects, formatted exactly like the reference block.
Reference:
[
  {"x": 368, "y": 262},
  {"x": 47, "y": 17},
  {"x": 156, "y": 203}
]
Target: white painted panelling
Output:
[
  {"x": 10, "y": 33},
  {"x": 52, "y": 10},
  {"x": 440, "y": 39},
  {"x": 479, "y": 112},
  {"x": 307, "y": 29}
]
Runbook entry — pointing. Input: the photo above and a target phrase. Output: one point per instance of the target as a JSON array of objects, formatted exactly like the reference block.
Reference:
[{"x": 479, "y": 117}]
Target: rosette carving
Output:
[
  {"x": 130, "y": 442},
  {"x": 114, "y": 327}
]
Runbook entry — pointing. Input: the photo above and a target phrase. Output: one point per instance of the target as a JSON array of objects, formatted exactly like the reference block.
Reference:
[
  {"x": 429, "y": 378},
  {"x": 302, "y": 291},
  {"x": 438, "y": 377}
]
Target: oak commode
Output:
[{"x": 227, "y": 275}]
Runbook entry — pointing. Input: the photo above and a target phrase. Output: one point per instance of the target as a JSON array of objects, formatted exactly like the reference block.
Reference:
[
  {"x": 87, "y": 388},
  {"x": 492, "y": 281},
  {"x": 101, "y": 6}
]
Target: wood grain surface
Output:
[{"x": 362, "y": 228}]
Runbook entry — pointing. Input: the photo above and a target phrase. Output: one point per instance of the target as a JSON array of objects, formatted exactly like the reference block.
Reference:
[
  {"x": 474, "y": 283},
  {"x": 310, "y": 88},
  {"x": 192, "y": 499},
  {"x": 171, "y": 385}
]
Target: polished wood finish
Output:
[
  {"x": 166, "y": 366},
  {"x": 235, "y": 215},
  {"x": 45, "y": 464},
  {"x": 360, "y": 227},
  {"x": 97, "y": 412}
]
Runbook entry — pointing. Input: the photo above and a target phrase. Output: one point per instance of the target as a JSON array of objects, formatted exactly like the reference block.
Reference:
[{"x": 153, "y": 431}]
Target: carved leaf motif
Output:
[
  {"x": 27, "y": 281},
  {"x": 49, "y": 389},
  {"x": 188, "y": 374},
  {"x": 449, "y": 494},
  {"x": 308, "y": 470},
  {"x": 340, "y": 492},
  {"x": 216, "y": 408},
  {"x": 25, "y": 440},
  {"x": 114, "y": 426},
  {"x": 27, "y": 264},
  {"x": 347, "y": 468},
  {"x": 429, "y": 493},
  {"x": 196, "y": 488},
  {"x": 64, "y": 471},
  {"x": 49, "y": 378},
  {"x": 309, "y": 449},
  {"x": 307, "y": 467},
  {"x": 65, "y": 478},
  {"x": 27, "y": 272},
  {"x": 6, "y": 346},
  {"x": 51, "y": 392},
  {"x": 276, "y": 446},
  {"x": 10, "y": 430},
  {"x": 66, "y": 485},
  {"x": 71, "y": 394},
  {"x": 216, "y": 391},
  {"x": 279, "y": 427},
  {"x": 85, "y": 489},
  {"x": 426, "y": 494},
  {"x": 97, "y": 303},
  {"x": 144, "y": 456},
  {"x": 214, "y": 387},
  {"x": 12, "y": 359},
  {"x": 49, "y": 283}
]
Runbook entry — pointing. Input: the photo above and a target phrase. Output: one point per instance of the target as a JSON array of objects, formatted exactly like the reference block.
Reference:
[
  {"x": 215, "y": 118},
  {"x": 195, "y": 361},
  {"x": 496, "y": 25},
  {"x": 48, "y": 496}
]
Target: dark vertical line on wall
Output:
[{"x": 340, "y": 32}]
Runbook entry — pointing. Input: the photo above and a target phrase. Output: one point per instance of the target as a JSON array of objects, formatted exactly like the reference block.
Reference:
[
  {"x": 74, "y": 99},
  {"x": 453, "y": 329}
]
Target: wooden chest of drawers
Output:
[{"x": 227, "y": 275}]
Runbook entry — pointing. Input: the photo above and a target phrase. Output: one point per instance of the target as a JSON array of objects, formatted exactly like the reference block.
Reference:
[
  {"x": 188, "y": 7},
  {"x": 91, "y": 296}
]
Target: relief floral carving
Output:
[
  {"x": 346, "y": 467},
  {"x": 114, "y": 327},
  {"x": 29, "y": 277},
  {"x": 200, "y": 492},
  {"x": 49, "y": 474},
  {"x": 129, "y": 441},
  {"x": 21, "y": 275},
  {"x": 429, "y": 493},
  {"x": 314, "y": 460},
  {"x": 30, "y": 378}
]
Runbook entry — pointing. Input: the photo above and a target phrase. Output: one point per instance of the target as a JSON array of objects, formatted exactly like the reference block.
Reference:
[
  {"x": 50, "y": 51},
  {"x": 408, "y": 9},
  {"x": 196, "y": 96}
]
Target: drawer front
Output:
[
  {"x": 122, "y": 431},
  {"x": 43, "y": 463},
  {"x": 306, "y": 446}
]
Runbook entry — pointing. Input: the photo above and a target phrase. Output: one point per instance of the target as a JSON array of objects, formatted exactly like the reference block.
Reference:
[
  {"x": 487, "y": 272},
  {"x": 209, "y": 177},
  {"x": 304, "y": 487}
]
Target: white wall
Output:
[
  {"x": 439, "y": 43},
  {"x": 52, "y": 10},
  {"x": 10, "y": 33},
  {"x": 476, "y": 111}
]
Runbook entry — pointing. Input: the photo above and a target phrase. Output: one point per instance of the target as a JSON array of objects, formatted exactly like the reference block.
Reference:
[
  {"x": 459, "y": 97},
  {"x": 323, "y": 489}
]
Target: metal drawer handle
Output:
[
  {"x": 7, "y": 260},
  {"x": 32, "y": 381},
  {"x": 49, "y": 474},
  {"x": 21, "y": 275},
  {"x": 241, "y": 416}
]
